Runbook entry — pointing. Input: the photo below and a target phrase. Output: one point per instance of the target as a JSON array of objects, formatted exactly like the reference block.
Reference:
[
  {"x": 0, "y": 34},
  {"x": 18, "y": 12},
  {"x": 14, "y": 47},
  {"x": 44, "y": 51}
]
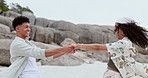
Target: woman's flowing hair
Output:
[{"x": 136, "y": 34}]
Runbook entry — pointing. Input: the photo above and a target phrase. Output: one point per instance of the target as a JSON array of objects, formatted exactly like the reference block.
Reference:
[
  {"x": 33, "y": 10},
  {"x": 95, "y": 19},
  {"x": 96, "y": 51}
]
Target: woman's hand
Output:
[{"x": 69, "y": 48}]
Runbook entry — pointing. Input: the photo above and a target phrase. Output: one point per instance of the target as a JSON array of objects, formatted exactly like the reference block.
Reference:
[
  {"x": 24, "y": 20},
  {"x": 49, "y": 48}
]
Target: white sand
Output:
[{"x": 95, "y": 70}]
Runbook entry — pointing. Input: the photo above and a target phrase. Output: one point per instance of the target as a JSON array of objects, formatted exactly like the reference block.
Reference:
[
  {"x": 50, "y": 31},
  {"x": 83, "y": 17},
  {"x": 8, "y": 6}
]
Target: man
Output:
[{"x": 23, "y": 53}]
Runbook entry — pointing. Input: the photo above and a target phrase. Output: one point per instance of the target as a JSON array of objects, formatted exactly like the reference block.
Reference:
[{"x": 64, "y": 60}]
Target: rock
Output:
[
  {"x": 81, "y": 55},
  {"x": 98, "y": 55},
  {"x": 60, "y": 36},
  {"x": 6, "y": 21},
  {"x": 62, "y": 32},
  {"x": 79, "y": 33},
  {"x": 50, "y": 23},
  {"x": 10, "y": 14},
  {"x": 142, "y": 50},
  {"x": 30, "y": 15},
  {"x": 43, "y": 22},
  {"x": 65, "y": 26},
  {"x": 5, "y": 32},
  {"x": 47, "y": 35},
  {"x": 4, "y": 52},
  {"x": 4, "y": 57},
  {"x": 141, "y": 58},
  {"x": 4, "y": 29},
  {"x": 96, "y": 34},
  {"x": 90, "y": 61},
  {"x": 67, "y": 41},
  {"x": 40, "y": 34},
  {"x": 86, "y": 33},
  {"x": 7, "y": 36},
  {"x": 65, "y": 60},
  {"x": 45, "y": 46}
]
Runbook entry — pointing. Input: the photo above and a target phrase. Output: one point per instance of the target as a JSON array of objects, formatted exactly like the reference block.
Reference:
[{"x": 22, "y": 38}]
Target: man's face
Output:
[{"x": 23, "y": 30}]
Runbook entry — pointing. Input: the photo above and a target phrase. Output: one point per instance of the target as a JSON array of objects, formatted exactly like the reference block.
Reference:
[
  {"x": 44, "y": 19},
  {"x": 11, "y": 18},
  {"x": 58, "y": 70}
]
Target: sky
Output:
[{"x": 100, "y": 12}]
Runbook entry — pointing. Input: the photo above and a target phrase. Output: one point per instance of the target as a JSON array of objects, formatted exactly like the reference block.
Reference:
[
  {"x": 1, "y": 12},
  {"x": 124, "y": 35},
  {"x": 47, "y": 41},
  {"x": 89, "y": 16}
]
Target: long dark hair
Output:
[{"x": 134, "y": 33}]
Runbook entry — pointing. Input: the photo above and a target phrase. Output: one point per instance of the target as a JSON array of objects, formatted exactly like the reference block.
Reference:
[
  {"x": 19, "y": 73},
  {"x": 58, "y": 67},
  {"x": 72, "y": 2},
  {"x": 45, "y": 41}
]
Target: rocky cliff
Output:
[{"x": 51, "y": 33}]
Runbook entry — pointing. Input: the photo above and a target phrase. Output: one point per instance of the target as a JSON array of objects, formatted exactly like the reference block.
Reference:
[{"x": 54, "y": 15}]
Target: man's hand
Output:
[
  {"x": 76, "y": 46},
  {"x": 69, "y": 48}
]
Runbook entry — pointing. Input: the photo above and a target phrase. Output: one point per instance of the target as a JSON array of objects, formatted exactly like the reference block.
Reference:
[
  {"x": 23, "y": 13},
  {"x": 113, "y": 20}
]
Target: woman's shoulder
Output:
[{"x": 125, "y": 40}]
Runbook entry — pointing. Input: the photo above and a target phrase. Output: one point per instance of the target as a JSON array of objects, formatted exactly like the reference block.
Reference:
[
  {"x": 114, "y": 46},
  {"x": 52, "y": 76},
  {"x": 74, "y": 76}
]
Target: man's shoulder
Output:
[{"x": 17, "y": 41}]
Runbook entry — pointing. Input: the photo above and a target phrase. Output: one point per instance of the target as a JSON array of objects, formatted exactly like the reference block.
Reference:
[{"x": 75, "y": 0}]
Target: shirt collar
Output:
[
  {"x": 20, "y": 39},
  {"x": 125, "y": 38}
]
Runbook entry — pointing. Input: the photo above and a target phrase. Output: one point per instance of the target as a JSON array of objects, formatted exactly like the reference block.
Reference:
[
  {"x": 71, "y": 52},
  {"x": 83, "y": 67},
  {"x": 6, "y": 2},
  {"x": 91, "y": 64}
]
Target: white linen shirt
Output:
[
  {"x": 122, "y": 53},
  {"x": 20, "y": 51}
]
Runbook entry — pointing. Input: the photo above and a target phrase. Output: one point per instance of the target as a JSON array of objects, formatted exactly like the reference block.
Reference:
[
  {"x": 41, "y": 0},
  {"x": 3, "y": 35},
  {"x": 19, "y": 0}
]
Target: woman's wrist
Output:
[{"x": 80, "y": 46}]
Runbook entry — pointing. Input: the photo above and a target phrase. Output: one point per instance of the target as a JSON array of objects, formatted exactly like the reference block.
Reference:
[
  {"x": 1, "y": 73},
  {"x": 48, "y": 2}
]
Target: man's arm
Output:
[
  {"x": 59, "y": 51},
  {"x": 23, "y": 49}
]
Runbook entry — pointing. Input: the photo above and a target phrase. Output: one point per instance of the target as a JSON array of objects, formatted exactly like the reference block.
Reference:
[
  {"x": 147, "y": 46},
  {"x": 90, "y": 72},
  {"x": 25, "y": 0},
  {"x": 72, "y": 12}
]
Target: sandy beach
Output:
[{"x": 95, "y": 70}]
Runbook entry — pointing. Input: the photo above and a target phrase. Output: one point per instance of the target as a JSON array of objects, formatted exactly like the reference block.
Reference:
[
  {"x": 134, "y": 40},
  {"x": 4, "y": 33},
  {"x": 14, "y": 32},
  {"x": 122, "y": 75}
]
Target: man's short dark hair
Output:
[{"x": 19, "y": 20}]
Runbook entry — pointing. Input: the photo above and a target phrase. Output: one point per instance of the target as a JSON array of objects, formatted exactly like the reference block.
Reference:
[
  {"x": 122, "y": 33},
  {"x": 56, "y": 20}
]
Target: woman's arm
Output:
[
  {"x": 91, "y": 46},
  {"x": 59, "y": 51}
]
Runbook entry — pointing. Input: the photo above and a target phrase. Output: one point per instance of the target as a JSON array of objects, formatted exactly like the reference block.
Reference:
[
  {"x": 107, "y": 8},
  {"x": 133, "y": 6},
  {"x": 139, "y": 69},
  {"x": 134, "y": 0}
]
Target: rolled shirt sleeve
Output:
[
  {"x": 23, "y": 48},
  {"x": 116, "y": 48}
]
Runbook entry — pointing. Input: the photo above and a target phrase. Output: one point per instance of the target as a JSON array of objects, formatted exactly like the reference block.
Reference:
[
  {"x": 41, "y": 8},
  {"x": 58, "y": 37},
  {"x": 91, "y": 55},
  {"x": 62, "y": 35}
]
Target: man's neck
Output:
[{"x": 21, "y": 37}]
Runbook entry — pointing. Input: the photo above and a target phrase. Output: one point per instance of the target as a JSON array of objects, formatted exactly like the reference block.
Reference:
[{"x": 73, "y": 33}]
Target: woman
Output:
[{"x": 121, "y": 63}]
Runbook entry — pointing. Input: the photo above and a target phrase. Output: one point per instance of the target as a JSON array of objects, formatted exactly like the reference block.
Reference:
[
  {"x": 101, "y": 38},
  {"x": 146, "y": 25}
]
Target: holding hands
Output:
[
  {"x": 89, "y": 46},
  {"x": 70, "y": 48}
]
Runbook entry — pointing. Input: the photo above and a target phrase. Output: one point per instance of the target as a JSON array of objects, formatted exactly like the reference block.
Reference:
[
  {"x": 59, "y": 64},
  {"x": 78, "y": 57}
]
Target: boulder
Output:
[
  {"x": 97, "y": 55},
  {"x": 65, "y": 60},
  {"x": 60, "y": 36},
  {"x": 67, "y": 41},
  {"x": 50, "y": 23},
  {"x": 65, "y": 26},
  {"x": 96, "y": 34},
  {"x": 45, "y": 46},
  {"x": 11, "y": 14},
  {"x": 85, "y": 33},
  {"x": 80, "y": 33},
  {"x": 5, "y": 32},
  {"x": 4, "y": 29},
  {"x": 30, "y": 15},
  {"x": 47, "y": 35},
  {"x": 141, "y": 58},
  {"x": 6, "y": 21},
  {"x": 40, "y": 34},
  {"x": 81, "y": 55},
  {"x": 5, "y": 52},
  {"x": 7, "y": 36},
  {"x": 142, "y": 50},
  {"x": 43, "y": 22}
]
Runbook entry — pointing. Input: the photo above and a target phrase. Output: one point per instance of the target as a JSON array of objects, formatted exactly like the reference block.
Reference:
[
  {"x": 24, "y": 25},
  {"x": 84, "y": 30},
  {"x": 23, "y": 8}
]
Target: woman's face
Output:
[{"x": 120, "y": 34}]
